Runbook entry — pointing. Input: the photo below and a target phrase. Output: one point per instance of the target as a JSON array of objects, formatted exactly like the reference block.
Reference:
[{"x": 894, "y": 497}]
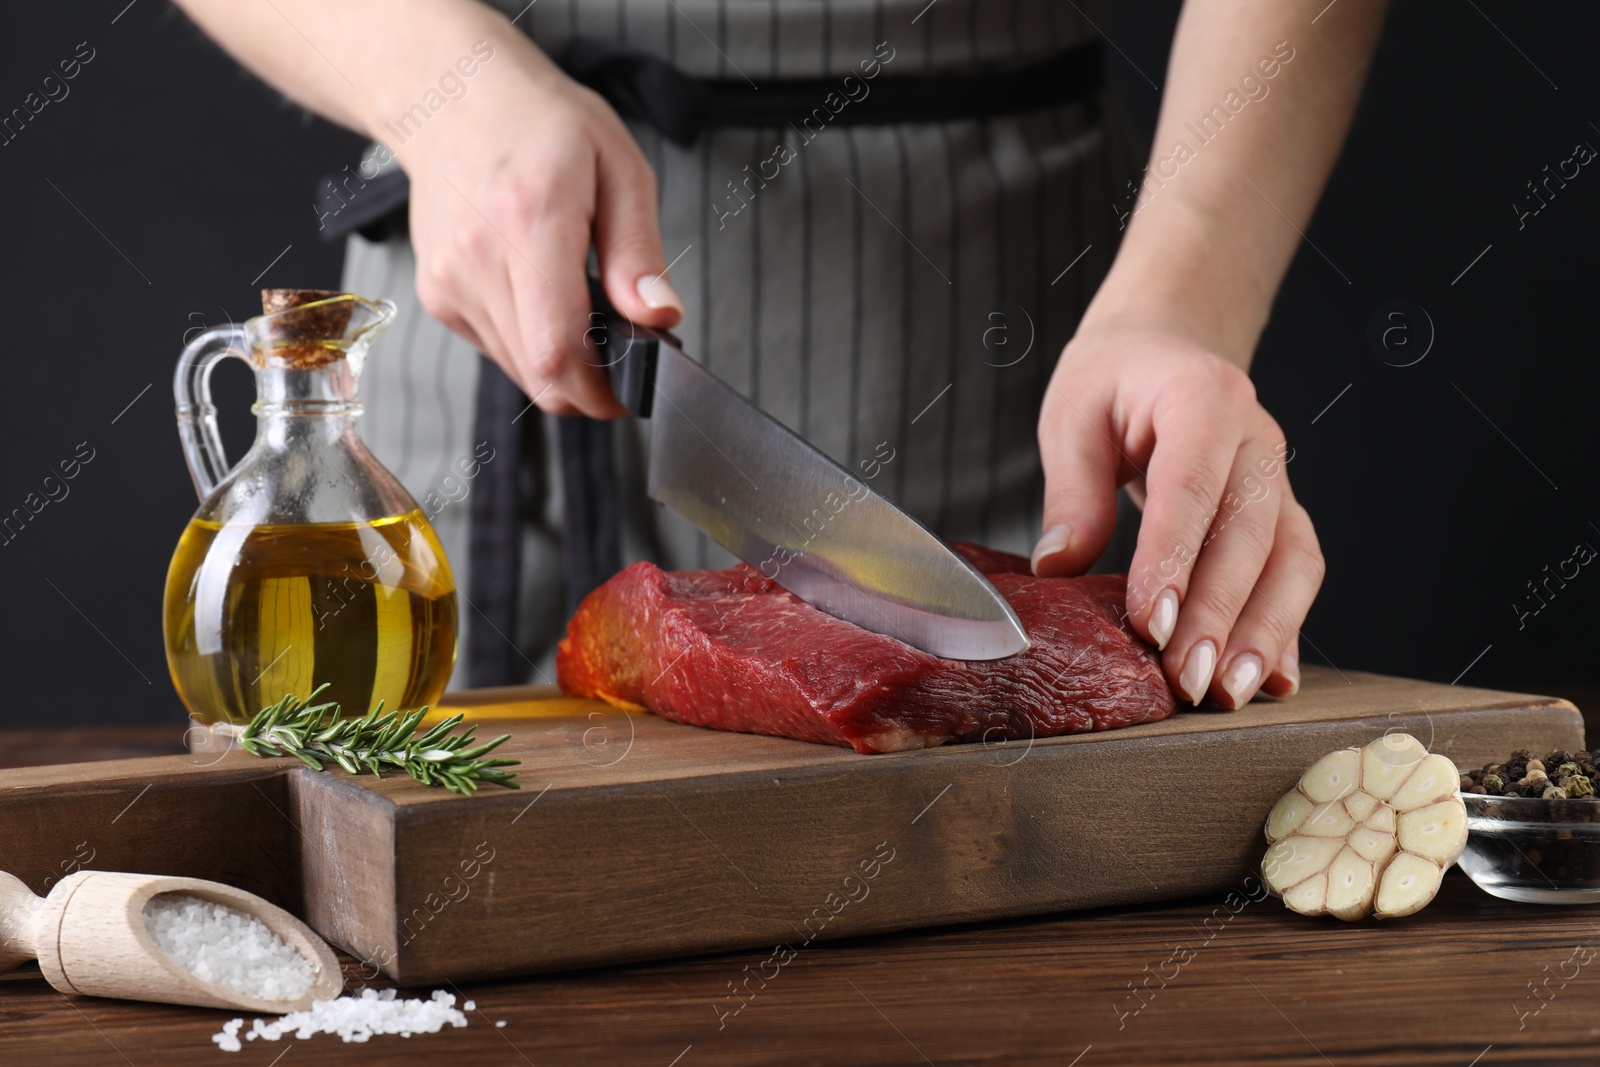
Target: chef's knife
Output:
[{"x": 765, "y": 494}]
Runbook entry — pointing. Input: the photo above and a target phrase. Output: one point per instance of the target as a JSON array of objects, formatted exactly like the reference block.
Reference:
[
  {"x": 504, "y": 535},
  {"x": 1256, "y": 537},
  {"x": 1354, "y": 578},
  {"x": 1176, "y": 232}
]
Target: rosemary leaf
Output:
[{"x": 316, "y": 735}]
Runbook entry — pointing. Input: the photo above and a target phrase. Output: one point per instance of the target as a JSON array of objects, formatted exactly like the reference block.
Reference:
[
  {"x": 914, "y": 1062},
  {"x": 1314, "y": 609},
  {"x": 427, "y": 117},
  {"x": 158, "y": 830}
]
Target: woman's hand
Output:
[
  {"x": 1152, "y": 392},
  {"x": 510, "y": 186},
  {"x": 1227, "y": 563},
  {"x": 513, "y": 178}
]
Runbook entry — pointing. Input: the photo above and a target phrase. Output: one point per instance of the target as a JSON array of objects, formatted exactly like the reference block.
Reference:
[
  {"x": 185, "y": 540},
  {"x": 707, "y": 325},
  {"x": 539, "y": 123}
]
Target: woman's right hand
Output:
[{"x": 510, "y": 186}]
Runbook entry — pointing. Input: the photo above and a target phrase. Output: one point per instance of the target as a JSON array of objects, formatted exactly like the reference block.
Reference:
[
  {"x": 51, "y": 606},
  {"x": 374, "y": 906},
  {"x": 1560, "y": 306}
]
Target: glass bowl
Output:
[{"x": 1533, "y": 850}]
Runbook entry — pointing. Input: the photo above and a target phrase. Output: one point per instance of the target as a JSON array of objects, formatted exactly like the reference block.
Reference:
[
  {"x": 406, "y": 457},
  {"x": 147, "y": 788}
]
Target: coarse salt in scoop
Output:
[
  {"x": 227, "y": 947},
  {"x": 171, "y": 940}
]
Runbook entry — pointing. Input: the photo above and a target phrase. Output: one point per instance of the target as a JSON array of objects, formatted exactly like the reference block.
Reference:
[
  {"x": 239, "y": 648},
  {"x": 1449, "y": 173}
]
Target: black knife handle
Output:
[{"x": 626, "y": 350}]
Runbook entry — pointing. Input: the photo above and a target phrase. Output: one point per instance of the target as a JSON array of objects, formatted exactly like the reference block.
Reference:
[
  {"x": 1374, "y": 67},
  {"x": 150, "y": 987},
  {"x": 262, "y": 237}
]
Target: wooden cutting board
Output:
[{"x": 635, "y": 838}]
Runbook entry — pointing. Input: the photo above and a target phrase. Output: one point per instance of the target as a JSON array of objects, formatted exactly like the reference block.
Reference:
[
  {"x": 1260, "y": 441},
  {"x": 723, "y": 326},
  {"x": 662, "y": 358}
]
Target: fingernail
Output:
[
  {"x": 1163, "y": 617},
  {"x": 1289, "y": 667},
  {"x": 1053, "y": 541},
  {"x": 1196, "y": 676},
  {"x": 657, "y": 292},
  {"x": 1241, "y": 679}
]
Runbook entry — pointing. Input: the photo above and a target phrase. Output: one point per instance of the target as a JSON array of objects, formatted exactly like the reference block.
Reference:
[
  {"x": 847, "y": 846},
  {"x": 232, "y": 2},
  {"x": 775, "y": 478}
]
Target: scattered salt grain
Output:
[
  {"x": 228, "y": 1040},
  {"x": 500, "y": 1022},
  {"x": 471, "y": 1005},
  {"x": 354, "y": 1019},
  {"x": 227, "y": 948}
]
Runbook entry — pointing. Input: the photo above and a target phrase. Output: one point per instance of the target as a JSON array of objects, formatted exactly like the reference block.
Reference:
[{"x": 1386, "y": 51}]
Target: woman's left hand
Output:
[{"x": 1227, "y": 563}]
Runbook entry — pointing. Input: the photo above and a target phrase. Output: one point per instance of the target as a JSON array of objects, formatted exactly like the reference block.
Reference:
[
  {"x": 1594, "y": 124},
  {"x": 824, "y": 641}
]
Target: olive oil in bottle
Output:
[{"x": 255, "y": 612}]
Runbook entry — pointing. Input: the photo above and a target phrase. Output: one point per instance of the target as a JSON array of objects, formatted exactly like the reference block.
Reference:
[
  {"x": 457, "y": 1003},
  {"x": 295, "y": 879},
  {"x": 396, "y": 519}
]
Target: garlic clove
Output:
[
  {"x": 1332, "y": 776},
  {"x": 1329, "y": 820},
  {"x": 1436, "y": 832},
  {"x": 1360, "y": 804},
  {"x": 1435, "y": 777},
  {"x": 1351, "y": 884},
  {"x": 1373, "y": 846},
  {"x": 1287, "y": 815},
  {"x": 1408, "y": 884},
  {"x": 1381, "y": 820},
  {"x": 1310, "y": 896},
  {"x": 1294, "y": 859},
  {"x": 1387, "y": 762}
]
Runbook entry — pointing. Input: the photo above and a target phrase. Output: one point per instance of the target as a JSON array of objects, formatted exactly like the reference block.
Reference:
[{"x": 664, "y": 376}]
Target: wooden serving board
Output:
[{"x": 635, "y": 838}]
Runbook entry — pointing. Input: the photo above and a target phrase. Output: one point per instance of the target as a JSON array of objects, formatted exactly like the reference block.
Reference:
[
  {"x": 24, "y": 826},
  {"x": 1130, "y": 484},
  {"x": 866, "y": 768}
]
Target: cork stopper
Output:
[{"x": 309, "y": 338}]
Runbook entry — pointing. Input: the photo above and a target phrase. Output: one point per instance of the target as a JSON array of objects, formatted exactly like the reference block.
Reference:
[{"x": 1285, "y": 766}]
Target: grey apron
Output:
[{"x": 887, "y": 289}]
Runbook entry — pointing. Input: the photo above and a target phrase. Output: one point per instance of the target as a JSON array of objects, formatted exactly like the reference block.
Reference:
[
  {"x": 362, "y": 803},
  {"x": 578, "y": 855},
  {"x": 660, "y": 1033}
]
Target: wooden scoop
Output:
[{"x": 89, "y": 937}]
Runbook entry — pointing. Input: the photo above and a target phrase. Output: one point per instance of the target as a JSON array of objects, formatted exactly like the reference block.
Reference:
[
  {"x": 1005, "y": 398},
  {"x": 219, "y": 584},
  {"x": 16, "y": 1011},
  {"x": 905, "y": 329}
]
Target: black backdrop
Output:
[{"x": 166, "y": 187}]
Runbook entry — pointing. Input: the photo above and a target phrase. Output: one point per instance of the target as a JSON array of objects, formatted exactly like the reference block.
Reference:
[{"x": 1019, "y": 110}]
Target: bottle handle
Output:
[{"x": 197, "y": 415}]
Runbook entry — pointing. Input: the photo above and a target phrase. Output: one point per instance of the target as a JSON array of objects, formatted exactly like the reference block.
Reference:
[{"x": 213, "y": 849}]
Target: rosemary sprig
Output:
[{"x": 315, "y": 734}]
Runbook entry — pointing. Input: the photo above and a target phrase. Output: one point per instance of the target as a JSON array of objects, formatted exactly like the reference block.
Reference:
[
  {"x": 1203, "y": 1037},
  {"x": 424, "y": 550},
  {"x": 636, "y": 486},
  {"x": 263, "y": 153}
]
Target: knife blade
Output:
[{"x": 784, "y": 507}]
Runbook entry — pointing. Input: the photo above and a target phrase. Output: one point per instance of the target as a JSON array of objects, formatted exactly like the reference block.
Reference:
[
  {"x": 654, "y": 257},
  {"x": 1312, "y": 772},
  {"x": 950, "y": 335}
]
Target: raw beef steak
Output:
[{"x": 732, "y": 650}]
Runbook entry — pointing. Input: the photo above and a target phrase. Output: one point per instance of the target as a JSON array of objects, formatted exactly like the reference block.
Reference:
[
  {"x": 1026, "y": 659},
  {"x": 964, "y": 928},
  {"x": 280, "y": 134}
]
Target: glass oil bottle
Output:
[{"x": 307, "y": 563}]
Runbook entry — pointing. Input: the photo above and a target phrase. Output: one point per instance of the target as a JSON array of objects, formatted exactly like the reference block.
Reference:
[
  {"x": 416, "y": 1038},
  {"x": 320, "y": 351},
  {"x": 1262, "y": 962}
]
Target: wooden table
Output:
[{"x": 1235, "y": 981}]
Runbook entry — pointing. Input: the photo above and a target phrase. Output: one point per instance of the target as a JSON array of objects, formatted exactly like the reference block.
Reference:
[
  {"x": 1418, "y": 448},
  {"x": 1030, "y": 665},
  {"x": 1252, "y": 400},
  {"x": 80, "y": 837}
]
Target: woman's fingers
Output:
[
  {"x": 1231, "y": 558},
  {"x": 1187, "y": 475},
  {"x": 1284, "y": 680},
  {"x": 552, "y": 309},
  {"x": 461, "y": 303},
  {"x": 1263, "y": 650},
  {"x": 503, "y": 220},
  {"x": 1081, "y": 468},
  {"x": 627, "y": 242}
]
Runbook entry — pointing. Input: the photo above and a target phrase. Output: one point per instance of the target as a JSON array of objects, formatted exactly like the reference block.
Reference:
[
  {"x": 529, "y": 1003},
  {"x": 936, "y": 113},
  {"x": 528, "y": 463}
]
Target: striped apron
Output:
[{"x": 894, "y": 289}]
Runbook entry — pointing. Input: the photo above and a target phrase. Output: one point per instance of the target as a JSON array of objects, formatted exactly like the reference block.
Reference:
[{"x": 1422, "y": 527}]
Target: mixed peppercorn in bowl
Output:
[{"x": 1533, "y": 827}]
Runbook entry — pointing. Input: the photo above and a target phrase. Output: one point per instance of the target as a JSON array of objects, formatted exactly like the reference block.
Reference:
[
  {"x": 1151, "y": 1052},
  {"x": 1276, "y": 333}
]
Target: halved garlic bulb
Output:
[{"x": 1367, "y": 831}]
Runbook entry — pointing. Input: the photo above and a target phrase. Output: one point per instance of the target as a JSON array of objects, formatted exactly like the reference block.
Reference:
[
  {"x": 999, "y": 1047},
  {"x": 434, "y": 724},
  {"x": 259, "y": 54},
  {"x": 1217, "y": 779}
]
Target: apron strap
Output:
[
  {"x": 642, "y": 86},
  {"x": 494, "y": 545},
  {"x": 590, "y": 525}
]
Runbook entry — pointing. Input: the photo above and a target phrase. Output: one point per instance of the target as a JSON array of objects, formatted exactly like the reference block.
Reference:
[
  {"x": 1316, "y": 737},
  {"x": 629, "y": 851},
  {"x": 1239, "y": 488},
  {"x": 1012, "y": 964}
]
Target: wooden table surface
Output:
[{"x": 1227, "y": 981}]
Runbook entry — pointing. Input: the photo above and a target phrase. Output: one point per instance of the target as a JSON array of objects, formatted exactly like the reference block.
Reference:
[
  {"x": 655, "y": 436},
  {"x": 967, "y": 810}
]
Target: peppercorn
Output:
[
  {"x": 1494, "y": 783},
  {"x": 1558, "y": 757},
  {"x": 1534, "y": 787},
  {"x": 1555, "y": 792},
  {"x": 1568, "y": 767},
  {"x": 1579, "y": 786},
  {"x": 1534, "y": 765}
]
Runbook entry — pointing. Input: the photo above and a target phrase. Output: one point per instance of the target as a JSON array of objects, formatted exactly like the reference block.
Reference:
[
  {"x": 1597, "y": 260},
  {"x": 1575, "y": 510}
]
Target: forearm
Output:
[
  {"x": 1237, "y": 164},
  {"x": 355, "y": 62}
]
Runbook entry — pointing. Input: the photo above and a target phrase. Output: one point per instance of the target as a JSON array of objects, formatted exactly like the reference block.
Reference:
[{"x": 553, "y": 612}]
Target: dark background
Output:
[{"x": 154, "y": 197}]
